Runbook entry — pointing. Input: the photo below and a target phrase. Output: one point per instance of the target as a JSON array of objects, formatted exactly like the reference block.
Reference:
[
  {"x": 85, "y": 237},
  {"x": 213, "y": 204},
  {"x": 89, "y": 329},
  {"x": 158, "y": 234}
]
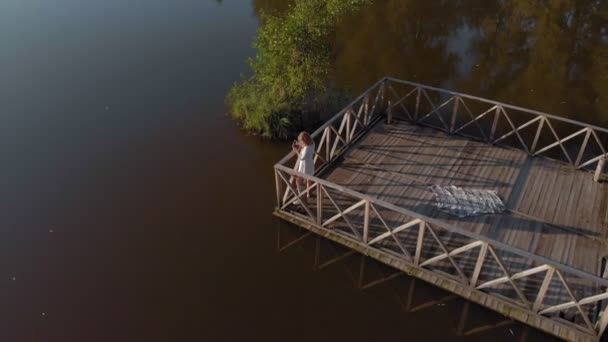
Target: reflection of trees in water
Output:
[
  {"x": 404, "y": 39},
  {"x": 551, "y": 56},
  {"x": 413, "y": 296},
  {"x": 547, "y": 55},
  {"x": 533, "y": 53},
  {"x": 544, "y": 56}
]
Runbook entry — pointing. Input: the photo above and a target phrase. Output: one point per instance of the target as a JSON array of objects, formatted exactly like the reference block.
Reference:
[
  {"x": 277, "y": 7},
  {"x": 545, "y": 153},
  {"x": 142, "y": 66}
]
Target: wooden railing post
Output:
[
  {"x": 319, "y": 205},
  {"x": 418, "y": 93},
  {"x": 366, "y": 222},
  {"x": 419, "y": 243},
  {"x": 543, "y": 289},
  {"x": 537, "y": 135},
  {"x": 494, "y": 124},
  {"x": 347, "y": 117},
  {"x": 597, "y": 176},
  {"x": 581, "y": 151},
  {"x": 454, "y": 114},
  {"x": 389, "y": 113},
  {"x": 479, "y": 264},
  {"x": 327, "y": 144},
  {"x": 278, "y": 187},
  {"x": 366, "y": 110}
]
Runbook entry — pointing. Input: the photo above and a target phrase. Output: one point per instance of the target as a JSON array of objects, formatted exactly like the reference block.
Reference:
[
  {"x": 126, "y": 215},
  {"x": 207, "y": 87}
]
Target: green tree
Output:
[{"x": 291, "y": 69}]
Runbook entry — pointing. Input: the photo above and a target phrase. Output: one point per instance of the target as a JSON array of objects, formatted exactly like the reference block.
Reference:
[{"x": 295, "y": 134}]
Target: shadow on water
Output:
[{"x": 413, "y": 297}]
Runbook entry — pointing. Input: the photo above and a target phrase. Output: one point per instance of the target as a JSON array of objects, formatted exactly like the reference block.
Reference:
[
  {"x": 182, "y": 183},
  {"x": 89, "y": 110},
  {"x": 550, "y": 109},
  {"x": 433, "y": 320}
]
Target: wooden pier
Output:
[{"x": 541, "y": 262}]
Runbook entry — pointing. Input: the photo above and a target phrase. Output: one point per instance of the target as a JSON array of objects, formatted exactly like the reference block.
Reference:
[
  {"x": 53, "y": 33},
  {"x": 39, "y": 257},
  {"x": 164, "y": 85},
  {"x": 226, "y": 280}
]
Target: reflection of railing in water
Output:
[
  {"x": 571, "y": 299},
  {"x": 406, "y": 294}
]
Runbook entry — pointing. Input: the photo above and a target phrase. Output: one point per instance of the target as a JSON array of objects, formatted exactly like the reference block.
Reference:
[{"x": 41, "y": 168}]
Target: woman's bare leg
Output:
[
  {"x": 307, "y": 189},
  {"x": 298, "y": 185}
]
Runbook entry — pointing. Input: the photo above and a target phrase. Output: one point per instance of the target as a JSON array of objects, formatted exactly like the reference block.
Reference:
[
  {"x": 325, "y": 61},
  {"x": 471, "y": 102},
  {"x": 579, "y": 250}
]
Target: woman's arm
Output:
[{"x": 296, "y": 148}]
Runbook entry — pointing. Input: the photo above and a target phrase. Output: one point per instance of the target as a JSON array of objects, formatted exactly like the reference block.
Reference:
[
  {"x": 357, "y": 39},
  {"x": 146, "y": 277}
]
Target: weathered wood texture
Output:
[
  {"x": 553, "y": 210},
  {"x": 539, "y": 262}
]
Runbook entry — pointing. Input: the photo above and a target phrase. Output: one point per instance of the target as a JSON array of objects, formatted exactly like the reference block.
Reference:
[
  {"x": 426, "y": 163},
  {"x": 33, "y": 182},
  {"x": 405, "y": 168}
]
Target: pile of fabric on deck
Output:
[{"x": 467, "y": 202}]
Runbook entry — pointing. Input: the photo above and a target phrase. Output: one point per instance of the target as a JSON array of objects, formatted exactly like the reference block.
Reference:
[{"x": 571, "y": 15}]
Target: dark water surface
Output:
[{"x": 133, "y": 209}]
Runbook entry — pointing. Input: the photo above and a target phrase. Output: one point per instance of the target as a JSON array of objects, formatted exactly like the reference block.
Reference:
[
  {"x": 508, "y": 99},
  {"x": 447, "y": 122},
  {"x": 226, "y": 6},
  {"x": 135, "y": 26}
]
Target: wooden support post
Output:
[
  {"x": 479, "y": 264},
  {"x": 319, "y": 205},
  {"x": 348, "y": 128},
  {"x": 599, "y": 169},
  {"x": 419, "y": 243},
  {"x": 327, "y": 145},
  {"x": 366, "y": 222},
  {"x": 454, "y": 114},
  {"x": 537, "y": 135},
  {"x": 278, "y": 187},
  {"x": 494, "y": 124},
  {"x": 389, "y": 113},
  {"x": 543, "y": 290},
  {"x": 581, "y": 151}
]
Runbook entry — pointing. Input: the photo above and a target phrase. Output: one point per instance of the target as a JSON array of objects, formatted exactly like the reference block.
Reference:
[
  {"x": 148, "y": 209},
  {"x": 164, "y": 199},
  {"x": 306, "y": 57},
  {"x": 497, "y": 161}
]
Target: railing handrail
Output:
[
  {"x": 336, "y": 117},
  {"x": 451, "y": 228},
  {"x": 493, "y": 102}
]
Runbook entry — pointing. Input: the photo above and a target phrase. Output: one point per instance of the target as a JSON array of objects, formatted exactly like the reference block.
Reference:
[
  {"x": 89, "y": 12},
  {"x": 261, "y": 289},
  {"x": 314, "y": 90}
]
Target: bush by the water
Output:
[{"x": 291, "y": 69}]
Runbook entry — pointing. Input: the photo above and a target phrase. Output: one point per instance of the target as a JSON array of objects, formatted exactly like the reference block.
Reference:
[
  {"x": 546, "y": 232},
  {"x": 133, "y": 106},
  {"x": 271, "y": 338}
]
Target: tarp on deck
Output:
[{"x": 463, "y": 202}]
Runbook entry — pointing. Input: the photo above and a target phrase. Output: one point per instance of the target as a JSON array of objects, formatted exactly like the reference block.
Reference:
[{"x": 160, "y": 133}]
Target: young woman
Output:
[{"x": 304, "y": 147}]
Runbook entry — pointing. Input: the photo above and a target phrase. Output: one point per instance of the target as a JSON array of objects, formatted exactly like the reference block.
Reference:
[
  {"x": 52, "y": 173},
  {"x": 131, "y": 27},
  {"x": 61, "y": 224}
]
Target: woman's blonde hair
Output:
[{"x": 305, "y": 138}]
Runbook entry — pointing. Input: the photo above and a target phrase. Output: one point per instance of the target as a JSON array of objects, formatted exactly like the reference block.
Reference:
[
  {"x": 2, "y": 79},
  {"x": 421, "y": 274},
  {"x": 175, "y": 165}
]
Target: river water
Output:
[{"x": 133, "y": 209}]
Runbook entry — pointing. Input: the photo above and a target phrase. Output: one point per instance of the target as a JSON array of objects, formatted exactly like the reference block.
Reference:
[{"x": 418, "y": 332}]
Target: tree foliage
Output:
[{"x": 291, "y": 69}]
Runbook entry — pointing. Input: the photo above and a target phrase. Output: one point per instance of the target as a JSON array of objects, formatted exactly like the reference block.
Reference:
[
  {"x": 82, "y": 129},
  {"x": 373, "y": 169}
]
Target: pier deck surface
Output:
[{"x": 553, "y": 210}]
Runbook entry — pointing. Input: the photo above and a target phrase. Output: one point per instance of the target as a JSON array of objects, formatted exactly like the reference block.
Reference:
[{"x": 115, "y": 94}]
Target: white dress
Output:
[{"x": 306, "y": 163}]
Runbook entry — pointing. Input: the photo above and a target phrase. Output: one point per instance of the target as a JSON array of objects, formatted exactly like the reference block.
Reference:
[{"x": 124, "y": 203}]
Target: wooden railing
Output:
[
  {"x": 410, "y": 302},
  {"x": 538, "y": 285},
  {"x": 337, "y": 134},
  {"x": 579, "y": 144},
  {"x": 484, "y": 265}
]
